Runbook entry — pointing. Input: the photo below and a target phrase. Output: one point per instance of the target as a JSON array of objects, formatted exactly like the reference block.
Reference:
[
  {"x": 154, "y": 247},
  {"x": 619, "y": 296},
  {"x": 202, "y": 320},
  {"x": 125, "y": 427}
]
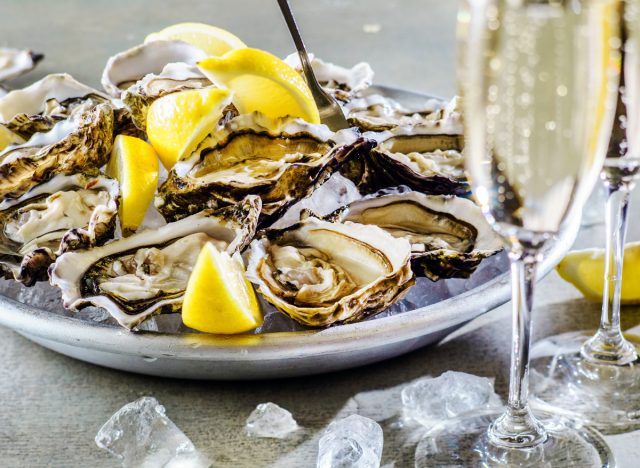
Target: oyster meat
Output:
[
  {"x": 321, "y": 273},
  {"x": 449, "y": 235},
  {"x": 342, "y": 83},
  {"x": 146, "y": 274},
  {"x": 15, "y": 62},
  {"x": 39, "y": 106},
  {"x": 124, "y": 69},
  {"x": 281, "y": 160},
  {"x": 68, "y": 212}
]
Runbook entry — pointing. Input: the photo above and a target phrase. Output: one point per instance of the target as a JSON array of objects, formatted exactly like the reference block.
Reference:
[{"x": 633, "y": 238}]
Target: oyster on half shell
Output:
[
  {"x": 321, "y": 273},
  {"x": 15, "y": 62},
  {"x": 146, "y": 274},
  {"x": 282, "y": 160},
  {"x": 66, "y": 213},
  {"x": 449, "y": 235}
]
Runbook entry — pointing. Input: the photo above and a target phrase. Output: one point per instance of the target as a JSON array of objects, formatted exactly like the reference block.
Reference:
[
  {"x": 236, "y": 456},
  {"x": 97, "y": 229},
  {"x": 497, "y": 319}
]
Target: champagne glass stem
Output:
[
  {"x": 517, "y": 427},
  {"x": 608, "y": 346}
]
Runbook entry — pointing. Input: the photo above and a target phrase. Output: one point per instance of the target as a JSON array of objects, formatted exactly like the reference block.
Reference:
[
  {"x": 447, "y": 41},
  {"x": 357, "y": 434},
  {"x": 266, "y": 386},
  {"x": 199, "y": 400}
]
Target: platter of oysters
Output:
[{"x": 193, "y": 218}]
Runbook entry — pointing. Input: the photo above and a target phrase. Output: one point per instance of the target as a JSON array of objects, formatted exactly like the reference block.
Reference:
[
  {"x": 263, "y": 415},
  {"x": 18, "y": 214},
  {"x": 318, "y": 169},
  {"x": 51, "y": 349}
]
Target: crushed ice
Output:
[
  {"x": 354, "y": 442},
  {"x": 140, "y": 435},
  {"x": 270, "y": 420}
]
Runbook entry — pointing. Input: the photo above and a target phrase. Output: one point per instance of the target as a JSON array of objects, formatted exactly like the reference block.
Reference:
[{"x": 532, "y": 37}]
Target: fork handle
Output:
[{"x": 297, "y": 40}]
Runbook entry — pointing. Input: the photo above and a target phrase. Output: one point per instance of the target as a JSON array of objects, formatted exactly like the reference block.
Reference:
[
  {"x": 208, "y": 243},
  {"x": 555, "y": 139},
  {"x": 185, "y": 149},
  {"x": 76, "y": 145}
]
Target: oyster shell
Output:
[
  {"x": 15, "y": 62},
  {"x": 81, "y": 143},
  {"x": 126, "y": 68},
  {"x": 68, "y": 212},
  {"x": 449, "y": 235},
  {"x": 321, "y": 273},
  {"x": 174, "y": 77},
  {"x": 342, "y": 83},
  {"x": 39, "y": 106},
  {"x": 146, "y": 274},
  {"x": 281, "y": 160}
]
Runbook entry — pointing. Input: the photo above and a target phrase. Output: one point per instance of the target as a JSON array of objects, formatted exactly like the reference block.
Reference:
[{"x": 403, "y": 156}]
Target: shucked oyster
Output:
[
  {"x": 66, "y": 213},
  {"x": 281, "y": 160},
  {"x": 146, "y": 274},
  {"x": 321, "y": 273},
  {"x": 38, "y": 107},
  {"x": 449, "y": 236},
  {"x": 81, "y": 143},
  {"x": 126, "y": 68},
  {"x": 342, "y": 83},
  {"x": 15, "y": 62}
]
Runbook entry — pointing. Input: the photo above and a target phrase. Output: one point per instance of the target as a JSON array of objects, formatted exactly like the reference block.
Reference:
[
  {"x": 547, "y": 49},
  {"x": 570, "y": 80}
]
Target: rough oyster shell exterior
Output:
[
  {"x": 352, "y": 270},
  {"x": 77, "y": 274}
]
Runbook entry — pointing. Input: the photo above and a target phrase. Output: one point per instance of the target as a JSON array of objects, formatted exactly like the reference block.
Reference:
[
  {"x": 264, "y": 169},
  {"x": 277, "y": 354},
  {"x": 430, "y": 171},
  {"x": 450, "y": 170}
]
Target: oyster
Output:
[
  {"x": 377, "y": 113},
  {"x": 321, "y": 273},
  {"x": 281, "y": 160},
  {"x": 174, "y": 77},
  {"x": 15, "y": 62},
  {"x": 81, "y": 143},
  {"x": 39, "y": 106},
  {"x": 146, "y": 274},
  {"x": 68, "y": 212},
  {"x": 126, "y": 68},
  {"x": 342, "y": 83},
  {"x": 449, "y": 236}
]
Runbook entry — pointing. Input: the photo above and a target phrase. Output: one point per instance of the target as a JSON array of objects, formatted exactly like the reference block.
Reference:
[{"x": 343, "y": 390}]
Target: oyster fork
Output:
[{"x": 330, "y": 111}]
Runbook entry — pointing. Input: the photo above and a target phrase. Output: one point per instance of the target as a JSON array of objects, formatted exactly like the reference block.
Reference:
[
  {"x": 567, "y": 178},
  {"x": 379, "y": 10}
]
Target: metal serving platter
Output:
[{"x": 184, "y": 354}]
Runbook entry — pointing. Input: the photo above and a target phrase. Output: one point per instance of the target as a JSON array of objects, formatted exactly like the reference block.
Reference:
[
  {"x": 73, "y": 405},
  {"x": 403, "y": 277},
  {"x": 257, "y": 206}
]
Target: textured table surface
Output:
[{"x": 52, "y": 406}]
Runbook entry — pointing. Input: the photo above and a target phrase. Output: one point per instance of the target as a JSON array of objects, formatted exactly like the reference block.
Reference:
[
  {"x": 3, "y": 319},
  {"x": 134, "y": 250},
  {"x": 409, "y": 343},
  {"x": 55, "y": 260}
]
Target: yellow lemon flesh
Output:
[
  {"x": 134, "y": 163},
  {"x": 214, "y": 41},
  {"x": 178, "y": 122},
  {"x": 262, "y": 82},
  {"x": 585, "y": 270},
  {"x": 219, "y": 299},
  {"x": 7, "y": 137}
]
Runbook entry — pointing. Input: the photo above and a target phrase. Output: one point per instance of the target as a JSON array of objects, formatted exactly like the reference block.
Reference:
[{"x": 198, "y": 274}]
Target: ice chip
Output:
[
  {"x": 429, "y": 400},
  {"x": 140, "y": 435},
  {"x": 270, "y": 420},
  {"x": 351, "y": 442}
]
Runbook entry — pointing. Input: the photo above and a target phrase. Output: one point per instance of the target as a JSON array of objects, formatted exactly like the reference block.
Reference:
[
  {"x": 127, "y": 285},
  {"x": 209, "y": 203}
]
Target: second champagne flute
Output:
[{"x": 540, "y": 95}]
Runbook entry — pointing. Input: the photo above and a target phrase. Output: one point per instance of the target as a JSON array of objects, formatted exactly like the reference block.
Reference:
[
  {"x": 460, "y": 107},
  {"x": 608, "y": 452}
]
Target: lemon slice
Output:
[
  {"x": 214, "y": 41},
  {"x": 7, "y": 137},
  {"x": 134, "y": 163},
  {"x": 178, "y": 122},
  {"x": 585, "y": 270},
  {"x": 219, "y": 299},
  {"x": 262, "y": 82}
]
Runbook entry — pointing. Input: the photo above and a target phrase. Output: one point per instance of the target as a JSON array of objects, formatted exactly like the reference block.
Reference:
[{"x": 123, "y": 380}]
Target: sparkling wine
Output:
[{"x": 539, "y": 122}]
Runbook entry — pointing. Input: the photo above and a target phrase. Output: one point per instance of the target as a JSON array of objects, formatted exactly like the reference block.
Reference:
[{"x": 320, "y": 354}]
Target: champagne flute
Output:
[
  {"x": 539, "y": 94},
  {"x": 596, "y": 376}
]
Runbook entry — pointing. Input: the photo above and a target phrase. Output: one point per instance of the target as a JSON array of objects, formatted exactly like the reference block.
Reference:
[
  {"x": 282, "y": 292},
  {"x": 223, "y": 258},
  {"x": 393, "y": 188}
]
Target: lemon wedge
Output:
[
  {"x": 7, "y": 137},
  {"x": 262, "y": 82},
  {"x": 219, "y": 299},
  {"x": 178, "y": 122},
  {"x": 214, "y": 41},
  {"x": 134, "y": 163},
  {"x": 585, "y": 270}
]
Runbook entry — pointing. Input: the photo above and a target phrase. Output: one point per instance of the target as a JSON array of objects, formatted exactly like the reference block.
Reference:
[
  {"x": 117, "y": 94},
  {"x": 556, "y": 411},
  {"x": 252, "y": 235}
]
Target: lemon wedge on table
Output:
[
  {"x": 262, "y": 82},
  {"x": 134, "y": 163},
  {"x": 178, "y": 122},
  {"x": 214, "y": 41},
  {"x": 585, "y": 270},
  {"x": 219, "y": 299}
]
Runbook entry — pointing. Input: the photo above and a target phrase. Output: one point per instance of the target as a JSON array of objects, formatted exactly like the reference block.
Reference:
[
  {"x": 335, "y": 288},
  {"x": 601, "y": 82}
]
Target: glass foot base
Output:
[
  {"x": 463, "y": 442},
  {"x": 604, "y": 396}
]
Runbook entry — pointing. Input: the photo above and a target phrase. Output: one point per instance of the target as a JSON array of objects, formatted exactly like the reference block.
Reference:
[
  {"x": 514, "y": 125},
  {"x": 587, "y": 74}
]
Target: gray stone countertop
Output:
[{"x": 52, "y": 406}]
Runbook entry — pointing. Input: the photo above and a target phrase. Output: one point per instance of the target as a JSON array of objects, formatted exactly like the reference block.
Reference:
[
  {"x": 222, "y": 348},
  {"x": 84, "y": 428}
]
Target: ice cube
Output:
[
  {"x": 351, "y": 442},
  {"x": 270, "y": 420},
  {"x": 140, "y": 435},
  {"x": 429, "y": 400}
]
